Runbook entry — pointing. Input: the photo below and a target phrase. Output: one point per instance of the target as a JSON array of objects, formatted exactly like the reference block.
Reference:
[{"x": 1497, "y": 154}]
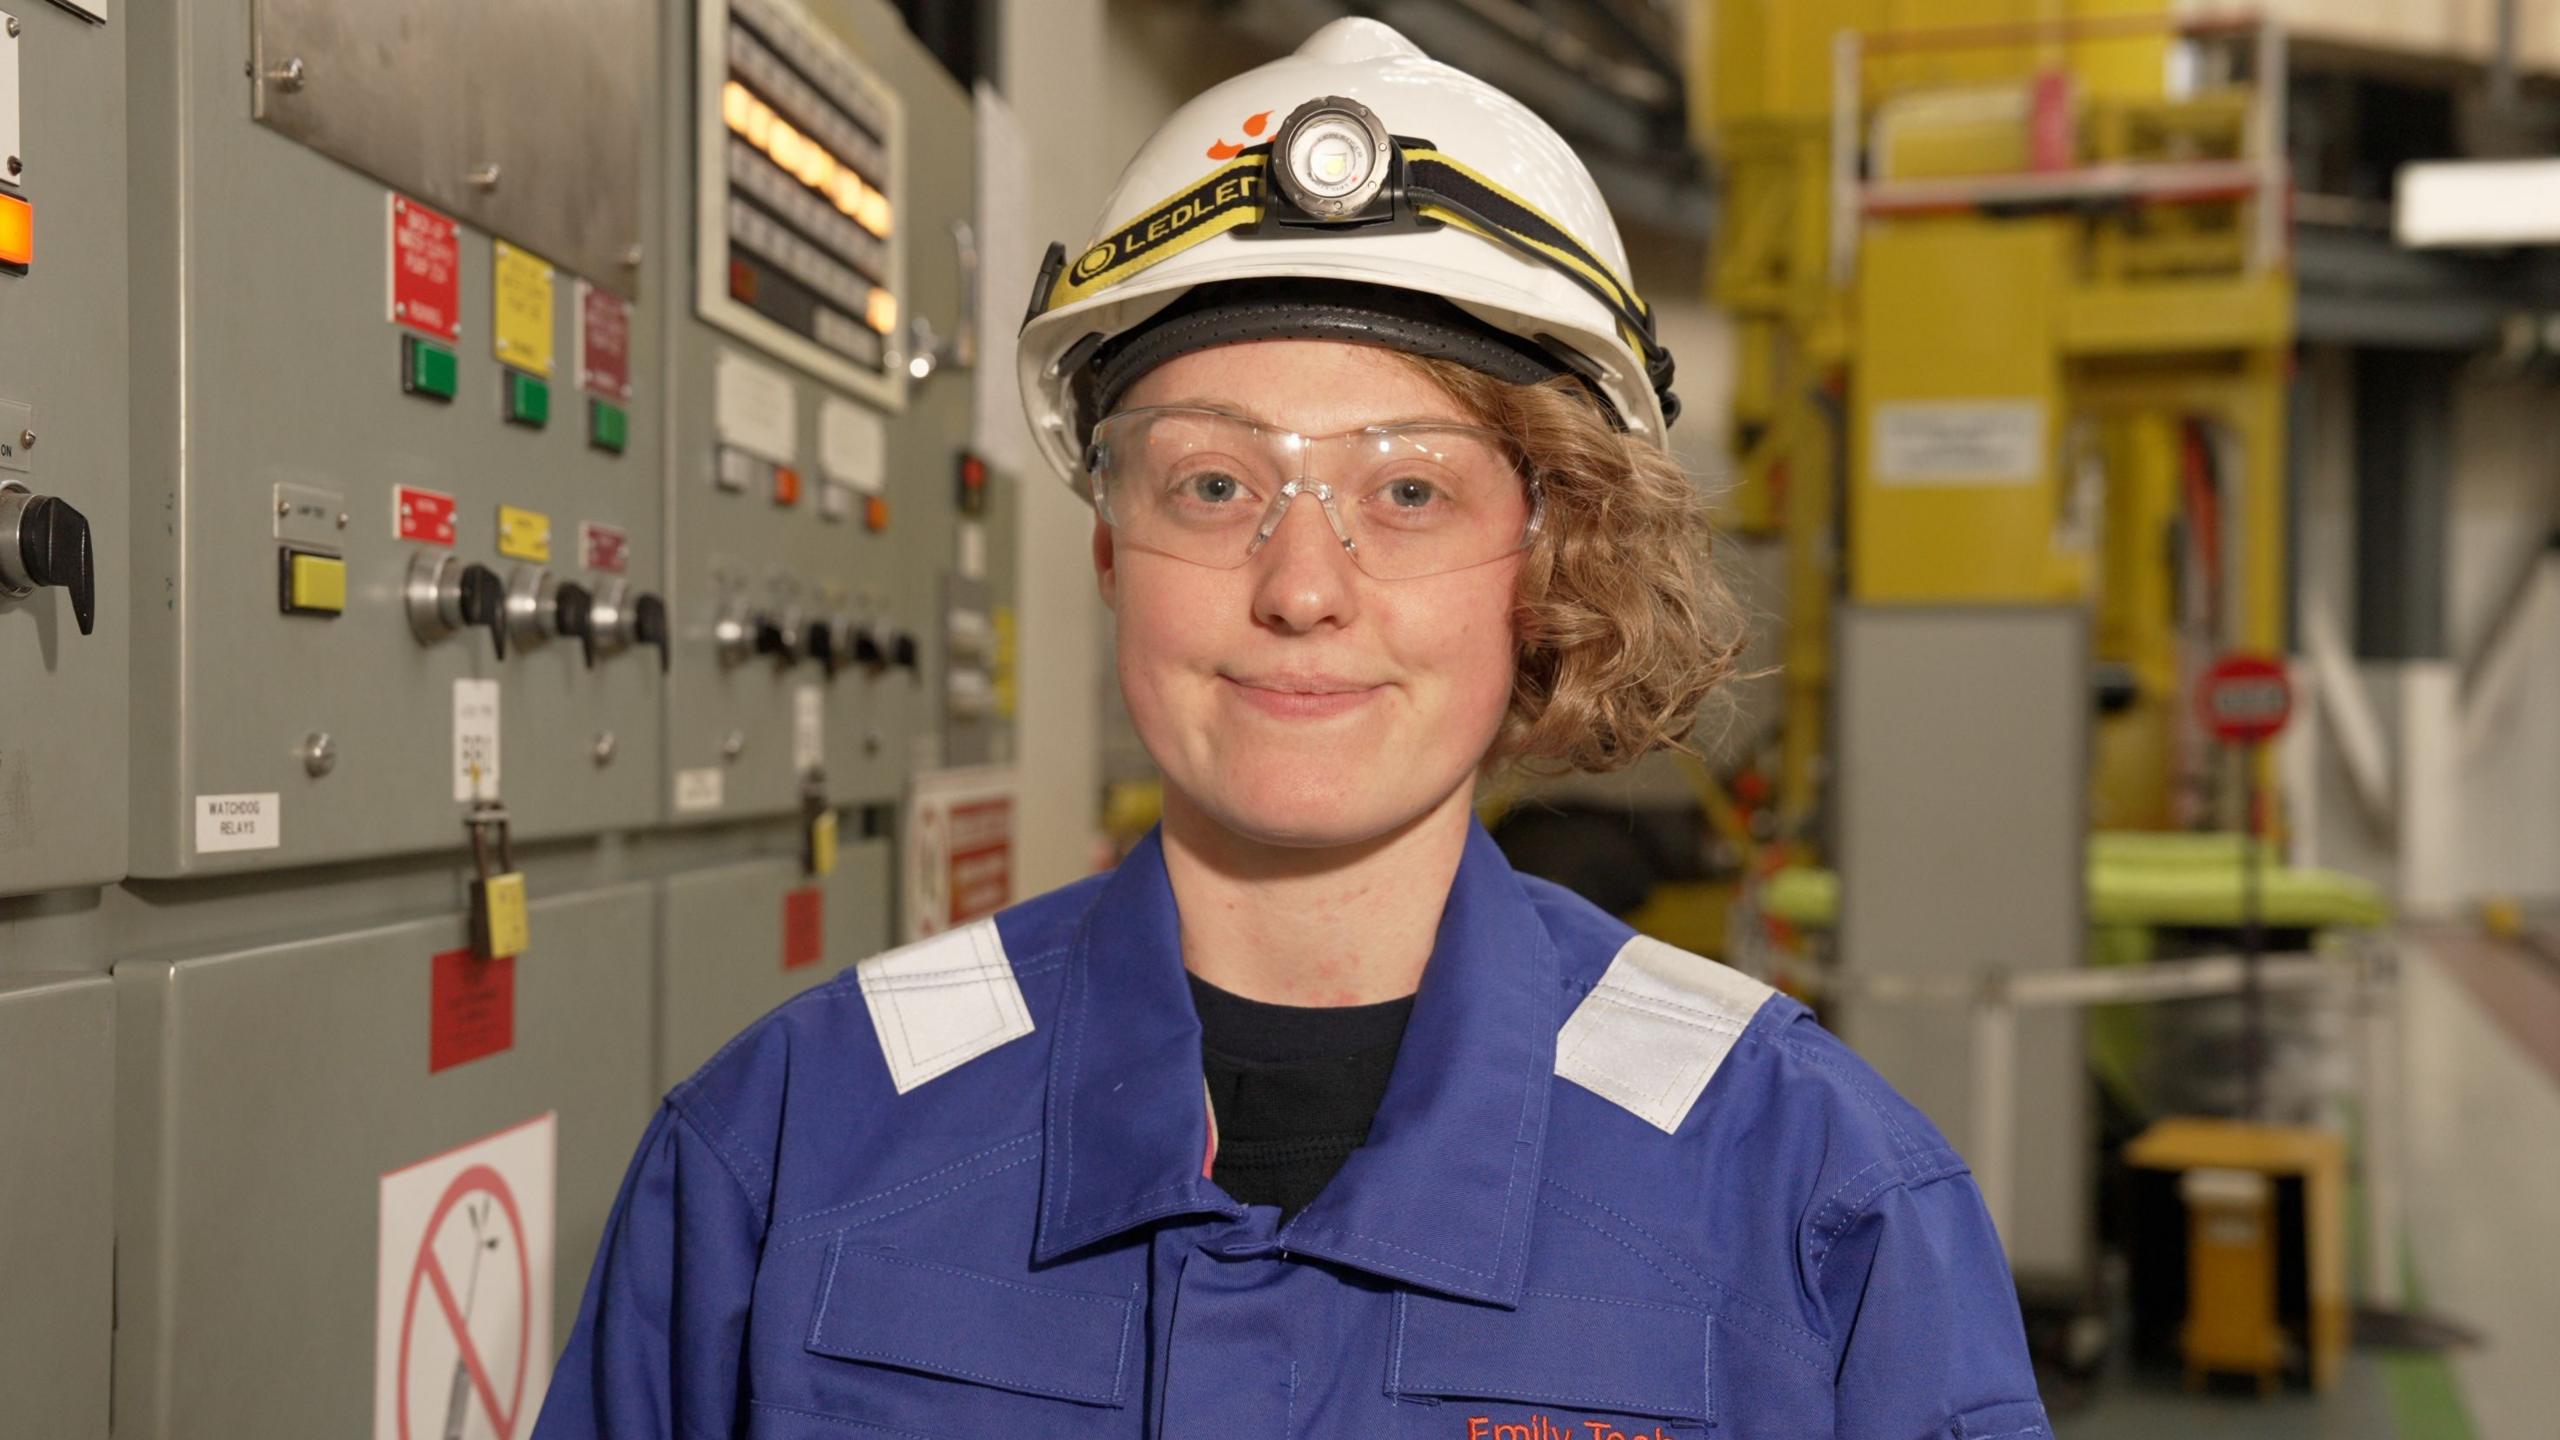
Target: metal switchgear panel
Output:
[
  {"x": 738, "y": 940},
  {"x": 814, "y": 412},
  {"x": 57, "y": 1238},
  {"x": 402, "y": 471},
  {"x": 279, "y": 1101},
  {"x": 65, "y": 619}
]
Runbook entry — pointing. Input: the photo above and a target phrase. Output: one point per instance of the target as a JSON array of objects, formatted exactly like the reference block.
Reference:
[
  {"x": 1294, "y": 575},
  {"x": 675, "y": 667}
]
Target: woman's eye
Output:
[
  {"x": 1412, "y": 494},
  {"x": 1211, "y": 488}
]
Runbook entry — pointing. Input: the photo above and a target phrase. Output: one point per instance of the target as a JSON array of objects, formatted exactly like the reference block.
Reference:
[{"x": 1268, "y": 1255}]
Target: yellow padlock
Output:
[
  {"x": 822, "y": 844},
  {"x": 498, "y": 924}
]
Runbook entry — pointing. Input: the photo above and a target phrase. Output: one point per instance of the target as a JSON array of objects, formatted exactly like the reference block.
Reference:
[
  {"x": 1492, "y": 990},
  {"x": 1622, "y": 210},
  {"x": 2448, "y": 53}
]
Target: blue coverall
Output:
[{"x": 1613, "y": 1191}]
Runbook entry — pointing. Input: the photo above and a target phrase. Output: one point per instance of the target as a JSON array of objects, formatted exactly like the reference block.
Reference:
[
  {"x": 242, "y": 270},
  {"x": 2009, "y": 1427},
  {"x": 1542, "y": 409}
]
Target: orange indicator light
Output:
[{"x": 17, "y": 233}]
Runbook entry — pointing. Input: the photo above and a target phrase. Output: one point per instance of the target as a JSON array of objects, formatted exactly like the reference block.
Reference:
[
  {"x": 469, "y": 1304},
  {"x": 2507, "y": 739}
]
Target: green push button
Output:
[
  {"x": 528, "y": 400},
  {"x": 608, "y": 426},
  {"x": 427, "y": 369}
]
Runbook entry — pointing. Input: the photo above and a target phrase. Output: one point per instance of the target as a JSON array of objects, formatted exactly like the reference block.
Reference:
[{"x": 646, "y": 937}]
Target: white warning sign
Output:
[
  {"x": 1959, "y": 442},
  {"x": 462, "y": 1311}
]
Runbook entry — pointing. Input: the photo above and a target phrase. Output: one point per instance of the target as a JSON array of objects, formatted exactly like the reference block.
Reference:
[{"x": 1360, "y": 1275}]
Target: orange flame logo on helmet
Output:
[{"x": 1254, "y": 125}]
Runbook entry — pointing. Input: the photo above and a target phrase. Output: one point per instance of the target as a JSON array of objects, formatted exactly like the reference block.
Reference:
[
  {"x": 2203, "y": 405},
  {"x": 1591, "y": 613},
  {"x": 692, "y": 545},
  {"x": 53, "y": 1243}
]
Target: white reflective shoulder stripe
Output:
[
  {"x": 1652, "y": 1033},
  {"x": 940, "y": 1003}
]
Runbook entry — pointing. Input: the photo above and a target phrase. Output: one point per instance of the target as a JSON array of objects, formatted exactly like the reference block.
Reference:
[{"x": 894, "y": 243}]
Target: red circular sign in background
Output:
[{"x": 2245, "y": 698}]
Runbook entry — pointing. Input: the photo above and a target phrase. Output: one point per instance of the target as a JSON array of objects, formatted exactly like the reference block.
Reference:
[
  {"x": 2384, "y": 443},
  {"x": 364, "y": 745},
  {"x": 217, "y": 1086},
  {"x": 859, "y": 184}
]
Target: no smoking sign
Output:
[{"x": 462, "y": 1326}]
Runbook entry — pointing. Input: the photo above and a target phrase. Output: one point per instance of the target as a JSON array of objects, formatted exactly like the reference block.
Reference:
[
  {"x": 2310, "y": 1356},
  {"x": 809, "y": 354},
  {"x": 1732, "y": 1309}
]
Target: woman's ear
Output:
[{"x": 1106, "y": 571}]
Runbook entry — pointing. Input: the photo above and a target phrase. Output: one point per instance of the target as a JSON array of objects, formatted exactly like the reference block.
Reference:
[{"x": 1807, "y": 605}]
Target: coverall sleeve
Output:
[
  {"x": 1934, "y": 1348},
  {"x": 657, "y": 1349}
]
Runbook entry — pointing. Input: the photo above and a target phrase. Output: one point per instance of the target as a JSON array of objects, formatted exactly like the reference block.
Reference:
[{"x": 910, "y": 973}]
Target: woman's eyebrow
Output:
[{"x": 1234, "y": 411}]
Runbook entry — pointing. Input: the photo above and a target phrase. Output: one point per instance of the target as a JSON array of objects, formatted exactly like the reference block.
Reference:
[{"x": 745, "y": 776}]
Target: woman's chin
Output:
[{"x": 1311, "y": 813}]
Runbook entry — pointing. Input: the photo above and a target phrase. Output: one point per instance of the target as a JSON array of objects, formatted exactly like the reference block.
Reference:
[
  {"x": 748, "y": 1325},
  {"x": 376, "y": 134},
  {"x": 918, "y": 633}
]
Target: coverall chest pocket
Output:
[
  {"x": 903, "y": 1344},
  {"x": 1560, "y": 1367}
]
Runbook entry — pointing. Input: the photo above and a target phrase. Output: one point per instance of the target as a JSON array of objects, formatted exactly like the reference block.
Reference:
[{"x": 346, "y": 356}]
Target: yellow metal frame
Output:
[{"x": 2173, "y": 307}]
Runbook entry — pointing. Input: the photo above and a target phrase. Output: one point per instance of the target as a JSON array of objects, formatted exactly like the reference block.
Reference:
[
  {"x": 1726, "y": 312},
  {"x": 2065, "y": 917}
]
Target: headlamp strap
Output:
[{"x": 1428, "y": 189}]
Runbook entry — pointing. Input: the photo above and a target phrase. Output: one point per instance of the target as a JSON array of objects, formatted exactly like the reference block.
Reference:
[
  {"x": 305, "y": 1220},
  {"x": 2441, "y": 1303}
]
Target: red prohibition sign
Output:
[{"x": 430, "y": 1272}]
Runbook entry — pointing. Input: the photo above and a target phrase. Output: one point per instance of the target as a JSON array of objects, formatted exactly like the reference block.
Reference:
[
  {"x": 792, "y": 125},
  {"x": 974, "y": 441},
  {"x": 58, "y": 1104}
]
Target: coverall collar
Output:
[{"x": 1440, "y": 1197}]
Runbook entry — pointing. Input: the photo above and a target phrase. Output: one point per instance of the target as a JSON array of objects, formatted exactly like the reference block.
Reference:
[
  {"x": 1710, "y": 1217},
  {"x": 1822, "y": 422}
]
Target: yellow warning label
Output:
[
  {"x": 524, "y": 534},
  {"x": 522, "y": 287}
]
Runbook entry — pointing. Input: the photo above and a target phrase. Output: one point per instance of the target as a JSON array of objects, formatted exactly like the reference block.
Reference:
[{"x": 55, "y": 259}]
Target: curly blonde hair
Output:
[{"x": 1624, "y": 625}]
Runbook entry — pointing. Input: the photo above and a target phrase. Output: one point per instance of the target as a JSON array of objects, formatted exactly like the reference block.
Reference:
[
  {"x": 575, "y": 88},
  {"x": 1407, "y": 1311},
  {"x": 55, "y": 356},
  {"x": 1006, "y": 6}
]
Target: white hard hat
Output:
[{"x": 1399, "y": 202}]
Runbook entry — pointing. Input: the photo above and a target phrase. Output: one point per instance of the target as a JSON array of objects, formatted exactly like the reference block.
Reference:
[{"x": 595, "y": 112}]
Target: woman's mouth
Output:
[{"x": 1300, "y": 697}]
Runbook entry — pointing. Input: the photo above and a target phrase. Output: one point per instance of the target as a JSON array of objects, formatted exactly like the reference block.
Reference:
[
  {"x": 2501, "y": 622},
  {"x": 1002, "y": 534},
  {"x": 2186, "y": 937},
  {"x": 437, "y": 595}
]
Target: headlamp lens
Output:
[{"x": 1332, "y": 156}]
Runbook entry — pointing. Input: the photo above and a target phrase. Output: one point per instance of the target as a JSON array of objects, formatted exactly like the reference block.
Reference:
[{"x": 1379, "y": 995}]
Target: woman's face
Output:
[{"x": 1295, "y": 700}]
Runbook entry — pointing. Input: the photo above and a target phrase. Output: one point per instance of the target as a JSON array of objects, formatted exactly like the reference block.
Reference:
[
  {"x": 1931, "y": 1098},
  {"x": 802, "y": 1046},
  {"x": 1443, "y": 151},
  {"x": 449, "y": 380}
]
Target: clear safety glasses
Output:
[{"x": 1405, "y": 500}]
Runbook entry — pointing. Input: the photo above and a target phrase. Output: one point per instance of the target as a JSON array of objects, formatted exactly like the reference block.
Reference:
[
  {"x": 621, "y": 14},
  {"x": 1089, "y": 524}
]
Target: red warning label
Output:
[
  {"x": 426, "y": 270},
  {"x": 604, "y": 547},
  {"x": 472, "y": 1009},
  {"x": 604, "y": 343},
  {"x": 804, "y": 926},
  {"x": 981, "y": 858},
  {"x": 425, "y": 516}
]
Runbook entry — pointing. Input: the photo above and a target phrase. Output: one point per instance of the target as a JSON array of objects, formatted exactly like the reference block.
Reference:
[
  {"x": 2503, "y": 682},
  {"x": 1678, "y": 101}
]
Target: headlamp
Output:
[{"x": 1331, "y": 157}]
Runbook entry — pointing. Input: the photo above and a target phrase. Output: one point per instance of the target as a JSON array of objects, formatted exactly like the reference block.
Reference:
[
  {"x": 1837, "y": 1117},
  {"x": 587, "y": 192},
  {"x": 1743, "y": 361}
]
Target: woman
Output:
[{"x": 1313, "y": 1118}]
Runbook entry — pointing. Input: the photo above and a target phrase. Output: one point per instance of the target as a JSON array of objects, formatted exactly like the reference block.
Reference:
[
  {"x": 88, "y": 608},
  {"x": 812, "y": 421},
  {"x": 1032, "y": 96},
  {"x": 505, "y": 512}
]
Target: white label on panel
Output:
[
  {"x": 973, "y": 550},
  {"x": 853, "y": 446},
  {"x": 1959, "y": 442},
  {"x": 475, "y": 739},
  {"x": 238, "y": 822},
  {"x": 9, "y": 136},
  {"x": 755, "y": 408},
  {"x": 462, "y": 1288},
  {"x": 698, "y": 790},
  {"x": 808, "y": 728}
]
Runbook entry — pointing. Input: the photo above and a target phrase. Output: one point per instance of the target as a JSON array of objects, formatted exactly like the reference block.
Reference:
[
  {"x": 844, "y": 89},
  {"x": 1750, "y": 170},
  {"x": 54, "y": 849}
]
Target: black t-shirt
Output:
[{"x": 1293, "y": 1088}]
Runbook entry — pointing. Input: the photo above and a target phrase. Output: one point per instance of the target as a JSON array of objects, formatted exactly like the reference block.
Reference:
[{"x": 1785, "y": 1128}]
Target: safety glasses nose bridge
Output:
[{"x": 1278, "y": 510}]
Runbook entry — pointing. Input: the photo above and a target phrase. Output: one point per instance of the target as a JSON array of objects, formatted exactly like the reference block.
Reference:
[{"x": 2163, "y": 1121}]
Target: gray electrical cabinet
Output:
[
  {"x": 267, "y": 1093},
  {"x": 1964, "y": 743},
  {"x": 401, "y": 469},
  {"x": 57, "y": 1257},
  {"x": 815, "y": 426},
  {"x": 533, "y": 422},
  {"x": 65, "y": 618},
  {"x": 737, "y": 940}
]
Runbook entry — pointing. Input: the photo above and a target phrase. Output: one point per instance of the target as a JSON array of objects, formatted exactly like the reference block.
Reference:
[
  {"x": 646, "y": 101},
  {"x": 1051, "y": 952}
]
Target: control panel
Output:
[
  {"x": 816, "y": 409},
  {"x": 64, "y": 624},
  {"x": 399, "y": 436}
]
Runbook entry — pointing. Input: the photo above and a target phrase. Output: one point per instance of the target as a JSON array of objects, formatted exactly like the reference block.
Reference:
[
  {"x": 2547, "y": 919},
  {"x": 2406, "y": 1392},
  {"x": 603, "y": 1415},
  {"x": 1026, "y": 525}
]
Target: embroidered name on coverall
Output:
[{"x": 1613, "y": 1191}]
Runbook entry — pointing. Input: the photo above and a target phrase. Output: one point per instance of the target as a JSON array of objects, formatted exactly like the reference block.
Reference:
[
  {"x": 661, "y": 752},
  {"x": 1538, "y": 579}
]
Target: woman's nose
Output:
[{"x": 1303, "y": 577}]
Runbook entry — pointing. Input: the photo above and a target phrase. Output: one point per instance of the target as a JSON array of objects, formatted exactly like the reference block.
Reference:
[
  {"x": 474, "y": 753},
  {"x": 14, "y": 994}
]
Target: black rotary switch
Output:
[
  {"x": 778, "y": 635},
  {"x": 44, "y": 541},
  {"x": 821, "y": 646},
  {"x": 649, "y": 627},
  {"x": 484, "y": 602},
  {"x": 573, "y": 612}
]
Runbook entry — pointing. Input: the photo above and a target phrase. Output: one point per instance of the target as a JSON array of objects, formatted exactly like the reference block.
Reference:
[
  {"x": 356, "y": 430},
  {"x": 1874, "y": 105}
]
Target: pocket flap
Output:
[
  {"x": 888, "y": 1309},
  {"x": 1591, "y": 1351}
]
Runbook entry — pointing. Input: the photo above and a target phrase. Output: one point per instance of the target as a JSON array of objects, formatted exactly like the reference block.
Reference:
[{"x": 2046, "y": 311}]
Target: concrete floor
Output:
[{"x": 2154, "y": 1408}]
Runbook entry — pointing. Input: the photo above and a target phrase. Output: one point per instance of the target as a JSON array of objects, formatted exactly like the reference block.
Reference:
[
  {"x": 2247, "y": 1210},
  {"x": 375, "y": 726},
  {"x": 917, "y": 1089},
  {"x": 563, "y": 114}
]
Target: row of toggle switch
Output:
[{"x": 447, "y": 594}]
